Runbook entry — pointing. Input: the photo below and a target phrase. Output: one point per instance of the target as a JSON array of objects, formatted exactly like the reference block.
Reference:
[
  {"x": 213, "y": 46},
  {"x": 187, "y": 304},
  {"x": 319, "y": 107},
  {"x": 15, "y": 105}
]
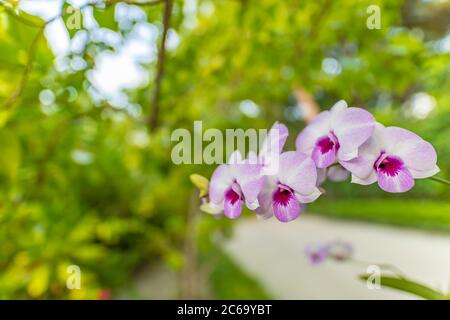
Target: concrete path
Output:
[{"x": 274, "y": 253}]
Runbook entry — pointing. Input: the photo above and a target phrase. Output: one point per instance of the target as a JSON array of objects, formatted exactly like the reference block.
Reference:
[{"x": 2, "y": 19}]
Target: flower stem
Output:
[{"x": 441, "y": 180}]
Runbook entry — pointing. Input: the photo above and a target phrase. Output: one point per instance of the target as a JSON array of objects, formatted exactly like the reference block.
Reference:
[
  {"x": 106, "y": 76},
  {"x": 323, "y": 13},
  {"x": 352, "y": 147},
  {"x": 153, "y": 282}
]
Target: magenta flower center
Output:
[
  {"x": 327, "y": 143},
  {"x": 388, "y": 164},
  {"x": 282, "y": 195},
  {"x": 316, "y": 256},
  {"x": 233, "y": 196}
]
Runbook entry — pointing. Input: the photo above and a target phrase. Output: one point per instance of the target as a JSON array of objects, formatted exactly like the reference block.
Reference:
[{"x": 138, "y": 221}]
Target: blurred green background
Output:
[{"x": 86, "y": 117}]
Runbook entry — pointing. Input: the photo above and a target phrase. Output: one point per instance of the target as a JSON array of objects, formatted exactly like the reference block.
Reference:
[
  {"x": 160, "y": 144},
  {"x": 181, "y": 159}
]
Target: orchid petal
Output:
[
  {"x": 265, "y": 209},
  {"x": 317, "y": 128},
  {"x": 416, "y": 153},
  {"x": 250, "y": 180},
  {"x": 424, "y": 174},
  {"x": 393, "y": 176},
  {"x": 338, "y": 107},
  {"x": 308, "y": 198},
  {"x": 252, "y": 205},
  {"x": 337, "y": 174},
  {"x": 232, "y": 204},
  {"x": 285, "y": 206},
  {"x": 221, "y": 180},
  {"x": 352, "y": 127},
  {"x": 321, "y": 176},
  {"x": 362, "y": 166},
  {"x": 324, "y": 153},
  {"x": 402, "y": 181},
  {"x": 275, "y": 140},
  {"x": 372, "y": 178},
  {"x": 298, "y": 172}
]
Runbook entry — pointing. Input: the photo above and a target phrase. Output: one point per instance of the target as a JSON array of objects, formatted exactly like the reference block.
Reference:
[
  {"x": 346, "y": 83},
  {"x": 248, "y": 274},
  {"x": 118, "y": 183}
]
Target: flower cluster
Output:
[{"x": 338, "y": 142}]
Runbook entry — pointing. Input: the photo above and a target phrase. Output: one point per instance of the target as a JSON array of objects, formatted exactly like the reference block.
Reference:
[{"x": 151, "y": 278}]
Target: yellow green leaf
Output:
[
  {"x": 10, "y": 154},
  {"x": 206, "y": 207},
  {"x": 201, "y": 183},
  {"x": 39, "y": 282}
]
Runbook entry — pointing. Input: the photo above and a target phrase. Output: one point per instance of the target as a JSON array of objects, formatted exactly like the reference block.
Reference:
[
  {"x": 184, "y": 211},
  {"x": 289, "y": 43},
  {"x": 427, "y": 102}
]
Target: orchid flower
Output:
[
  {"x": 235, "y": 183},
  {"x": 272, "y": 147},
  {"x": 336, "y": 250},
  {"x": 394, "y": 157},
  {"x": 317, "y": 253},
  {"x": 336, "y": 135},
  {"x": 294, "y": 184},
  {"x": 340, "y": 250}
]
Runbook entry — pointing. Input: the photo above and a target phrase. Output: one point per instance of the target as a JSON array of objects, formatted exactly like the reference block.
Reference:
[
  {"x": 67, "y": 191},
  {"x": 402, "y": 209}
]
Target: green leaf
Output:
[
  {"x": 73, "y": 19},
  {"x": 409, "y": 286},
  {"x": 10, "y": 154},
  {"x": 39, "y": 282},
  {"x": 201, "y": 183},
  {"x": 106, "y": 18},
  {"x": 208, "y": 209}
]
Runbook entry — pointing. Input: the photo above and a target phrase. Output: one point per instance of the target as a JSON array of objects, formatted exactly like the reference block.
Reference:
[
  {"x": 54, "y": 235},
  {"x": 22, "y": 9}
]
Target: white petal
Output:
[
  {"x": 252, "y": 205},
  {"x": 309, "y": 197},
  {"x": 372, "y": 178},
  {"x": 424, "y": 174}
]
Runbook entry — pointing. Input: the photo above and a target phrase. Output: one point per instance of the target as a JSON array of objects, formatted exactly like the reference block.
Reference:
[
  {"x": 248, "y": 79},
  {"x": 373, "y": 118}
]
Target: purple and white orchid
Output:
[
  {"x": 338, "y": 142},
  {"x": 284, "y": 192},
  {"x": 336, "y": 135},
  {"x": 235, "y": 183},
  {"x": 394, "y": 157}
]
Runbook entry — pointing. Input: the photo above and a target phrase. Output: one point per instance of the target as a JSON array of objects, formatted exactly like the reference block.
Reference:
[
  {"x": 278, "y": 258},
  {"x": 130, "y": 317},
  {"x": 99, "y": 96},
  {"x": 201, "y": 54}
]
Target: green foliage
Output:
[
  {"x": 409, "y": 286},
  {"x": 230, "y": 282},
  {"x": 10, "y": 155},
  {"x": 405, "y": 212}
]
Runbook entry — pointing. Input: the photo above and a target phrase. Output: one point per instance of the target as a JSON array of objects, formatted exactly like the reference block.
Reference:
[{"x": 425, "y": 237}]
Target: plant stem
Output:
[
  {"x": 441, "y": 180},
  {"x": 153, "y": 120}
]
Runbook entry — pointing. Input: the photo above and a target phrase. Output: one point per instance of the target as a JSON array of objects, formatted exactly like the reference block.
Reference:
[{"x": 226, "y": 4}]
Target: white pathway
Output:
[{"x": 274, "y": 253}]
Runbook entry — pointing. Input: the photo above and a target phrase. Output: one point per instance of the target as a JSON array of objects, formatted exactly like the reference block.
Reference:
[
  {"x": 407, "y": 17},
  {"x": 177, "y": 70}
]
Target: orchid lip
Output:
[
  {"x": 282, "y": 194},
  {"x": 383, "y": 155},
  {"x": 285, "y": 205},
  {"x": 233, "y": 200},
  {"x": 328, "y": 142},
  {"x": 282, "y": 186},
  {"x": 325, "y": 151},
  {"x": 390, "y": 165},
  {"x": 236, "y": 188}
]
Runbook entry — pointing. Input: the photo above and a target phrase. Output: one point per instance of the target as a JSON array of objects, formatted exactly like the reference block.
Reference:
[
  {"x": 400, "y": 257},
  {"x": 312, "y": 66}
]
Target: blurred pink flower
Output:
[{"x": 316, "y": 253}]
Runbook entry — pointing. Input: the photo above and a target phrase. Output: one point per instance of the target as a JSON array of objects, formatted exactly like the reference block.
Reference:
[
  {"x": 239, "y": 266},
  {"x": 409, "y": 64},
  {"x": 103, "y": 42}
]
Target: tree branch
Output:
[
  {"x": 153, "y": 120},
  {"x": 9, "y": 102},
  {"x": 142, "y": 3}
]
